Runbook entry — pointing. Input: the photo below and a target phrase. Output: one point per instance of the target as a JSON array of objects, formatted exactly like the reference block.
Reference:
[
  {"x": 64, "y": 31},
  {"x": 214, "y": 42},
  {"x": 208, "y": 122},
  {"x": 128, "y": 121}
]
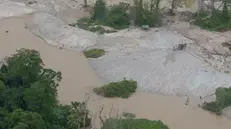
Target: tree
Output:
[
  {"x": 99, "y": 10},
  {"x": 79, "y": 116},
  {"x": 60, "y": 113},
  {"x": 20, "y": 119},
  {"x": 147, "y": 13},
  {"x": 28, "y": 96},
  {"x": 27, "y": 90}
]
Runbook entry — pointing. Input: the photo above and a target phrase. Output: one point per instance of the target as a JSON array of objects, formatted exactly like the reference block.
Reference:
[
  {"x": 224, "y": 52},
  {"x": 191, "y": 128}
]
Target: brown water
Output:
[{"x": 79, "y": 79}]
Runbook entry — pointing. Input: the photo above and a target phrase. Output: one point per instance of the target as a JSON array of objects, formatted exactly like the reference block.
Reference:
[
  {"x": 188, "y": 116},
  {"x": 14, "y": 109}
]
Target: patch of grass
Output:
[
  {"x": 87, "y": 23},
  {"x": 96, "y": 28},
  {"x": 133, "y": 124},
  {"x": 121, "y": 89},
  {"x": 94, "y": 53}
]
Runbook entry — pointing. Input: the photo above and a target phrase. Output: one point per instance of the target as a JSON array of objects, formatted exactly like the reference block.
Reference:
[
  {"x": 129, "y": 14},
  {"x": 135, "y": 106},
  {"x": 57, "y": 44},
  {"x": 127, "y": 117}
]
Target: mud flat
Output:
[{"x": 79, "y": 79}]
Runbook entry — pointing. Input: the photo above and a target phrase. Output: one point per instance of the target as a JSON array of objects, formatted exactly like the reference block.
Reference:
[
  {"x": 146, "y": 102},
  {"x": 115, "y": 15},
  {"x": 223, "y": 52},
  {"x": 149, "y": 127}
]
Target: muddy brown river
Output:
[{"x": 79, "y": 79}]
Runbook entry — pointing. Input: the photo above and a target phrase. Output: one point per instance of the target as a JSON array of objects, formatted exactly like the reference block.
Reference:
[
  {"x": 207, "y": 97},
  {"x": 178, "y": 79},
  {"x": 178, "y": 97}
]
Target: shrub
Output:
[
  {"x": 146, "y": 13},
  {"x": 133, "y": 124},
  {"x": 118, "y": 17},
  {"x": 223, "y": 100},
  {"x": 121, "y": 89},
  {"x": 216, "y": 22},
  {"x": 94, "y": 53},
  {"x": 99, "y": 10},
  {"x": 212, "y": 107}
]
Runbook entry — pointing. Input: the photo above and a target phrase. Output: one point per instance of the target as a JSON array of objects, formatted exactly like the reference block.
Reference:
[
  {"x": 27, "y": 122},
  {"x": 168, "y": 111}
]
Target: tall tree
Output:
[
  {"x": 27, "y": 88},
  {"x": 20, "y": 119}
]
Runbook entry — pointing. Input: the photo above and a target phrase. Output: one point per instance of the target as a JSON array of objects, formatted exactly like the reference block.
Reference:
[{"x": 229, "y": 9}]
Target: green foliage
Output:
[
  {"x": 223, "y": 100},
  {"x": 60, "y": 114},
  {"x": 79, "y": 116},
  {"x": 88, "y": 24},
  {"x": 28, "y": 94},
  {"x": 121, "y": 89},
  {"x": 225, "y": 13},
  {"x": 147, "y": 13},
  {"x": 133, "y": 124},
  {"x": 118, "y": 17},
  {"x": 99, "y": 10},
  {"x": 212, "y": 106},
  {"x": 94, "y": 53},
  {"x": 20, "y": 119},
  {"x": 218, "y": 21},
  {"x": 91, "y": 25}
]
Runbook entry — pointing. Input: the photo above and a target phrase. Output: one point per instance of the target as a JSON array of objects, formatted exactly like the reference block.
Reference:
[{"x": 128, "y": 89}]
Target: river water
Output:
[{"x": 79, "y": 79}]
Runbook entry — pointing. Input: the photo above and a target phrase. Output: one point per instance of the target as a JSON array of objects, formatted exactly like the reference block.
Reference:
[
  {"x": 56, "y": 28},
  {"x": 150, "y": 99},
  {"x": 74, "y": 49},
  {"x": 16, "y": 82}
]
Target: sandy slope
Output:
[{"x": 79, "y": 79}]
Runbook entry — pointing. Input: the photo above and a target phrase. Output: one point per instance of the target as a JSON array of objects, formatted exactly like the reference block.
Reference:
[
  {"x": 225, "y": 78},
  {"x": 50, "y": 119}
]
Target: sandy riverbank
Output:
[{"x": 79, "y": 79}]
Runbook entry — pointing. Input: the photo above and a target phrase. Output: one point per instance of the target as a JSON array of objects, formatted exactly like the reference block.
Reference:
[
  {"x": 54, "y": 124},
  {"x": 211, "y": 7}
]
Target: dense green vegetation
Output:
[
  {"x": 214, "y": 20},
  {"x": 146, "y": 13},
  {"x": 121, "y": 89},
  {"x": 133, "y": 124},
  {"x": 223, "y": 100},
  {"x": 115, "y": 16},
  {"x": 28, "y": 99},
  {"x": 120, "y": 16},
  {"x": 93, "y": 53},
  {"x": 28, "y": 96}
]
